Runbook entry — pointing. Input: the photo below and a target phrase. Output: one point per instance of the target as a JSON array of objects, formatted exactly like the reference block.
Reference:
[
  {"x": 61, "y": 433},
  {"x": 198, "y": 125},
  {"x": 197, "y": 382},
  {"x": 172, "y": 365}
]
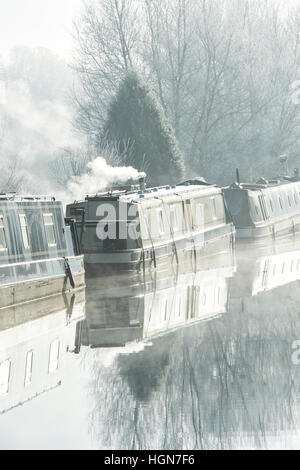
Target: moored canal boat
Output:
[
  {"x": 266, "y": 210},
  {"x": 38, "y": 253},
  {"x": 137, "y": 227}
]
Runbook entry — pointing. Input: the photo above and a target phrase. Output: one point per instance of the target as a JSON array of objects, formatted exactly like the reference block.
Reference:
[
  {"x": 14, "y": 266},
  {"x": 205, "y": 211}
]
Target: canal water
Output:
[{"x": 203, "y": 358}]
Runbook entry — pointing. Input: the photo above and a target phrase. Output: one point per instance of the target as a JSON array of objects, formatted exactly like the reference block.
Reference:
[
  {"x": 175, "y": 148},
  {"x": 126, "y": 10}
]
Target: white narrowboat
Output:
[
  {"x": 38, "y": 250},
  {"x": 264, "y": 210}
]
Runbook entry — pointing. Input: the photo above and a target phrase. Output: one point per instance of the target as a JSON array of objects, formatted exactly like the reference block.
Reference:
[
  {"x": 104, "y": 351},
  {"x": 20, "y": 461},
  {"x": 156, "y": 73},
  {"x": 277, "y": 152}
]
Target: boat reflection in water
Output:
[
  {"x": 35, "y": 339},
  {"x": 227, "y": 383},
  {"x": 120, "y": 311},
  {"x": 264, "y": 269},
  {"x": 154, "y": 373}
]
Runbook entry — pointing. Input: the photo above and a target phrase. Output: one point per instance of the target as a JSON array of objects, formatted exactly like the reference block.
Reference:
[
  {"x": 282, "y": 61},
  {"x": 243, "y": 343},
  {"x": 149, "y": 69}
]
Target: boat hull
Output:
[
  {"x": 184, "y": 251},
  {"x": 39, "y": 280},
  {"x": 270, "y": 231}
]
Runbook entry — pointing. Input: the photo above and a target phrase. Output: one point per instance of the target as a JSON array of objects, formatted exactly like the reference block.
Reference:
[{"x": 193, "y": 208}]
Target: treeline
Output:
[
  {"x": 222, "y": 72},
  {"x": 176, "y": 88}
]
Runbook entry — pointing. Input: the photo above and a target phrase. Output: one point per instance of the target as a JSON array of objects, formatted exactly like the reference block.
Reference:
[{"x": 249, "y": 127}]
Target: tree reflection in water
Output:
[{"x": 225, "y": 383}]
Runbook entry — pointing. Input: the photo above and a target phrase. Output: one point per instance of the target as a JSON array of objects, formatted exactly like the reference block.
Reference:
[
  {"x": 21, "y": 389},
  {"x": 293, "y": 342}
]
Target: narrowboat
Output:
[
  {"x": 134, "y": 227},
  {"x": 120, "y": 315},
  {"x": 267, "y": 209},
  {"x": 38, "y": 250},
  {"x": 36, "y": 340}
]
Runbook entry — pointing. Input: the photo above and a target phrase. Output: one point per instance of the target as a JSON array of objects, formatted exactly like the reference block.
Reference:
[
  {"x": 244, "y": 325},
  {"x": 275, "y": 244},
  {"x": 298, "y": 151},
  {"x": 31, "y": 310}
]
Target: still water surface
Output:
[{"x": 180, "y": 359}]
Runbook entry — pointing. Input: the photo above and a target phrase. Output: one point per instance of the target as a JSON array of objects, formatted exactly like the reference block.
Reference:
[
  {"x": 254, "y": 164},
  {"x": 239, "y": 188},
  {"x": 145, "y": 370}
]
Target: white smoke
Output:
[
  {"x": 31, "y": 131},
  {"x": 99, "y": 177},
  {"x": 36, "y": 130},
  {"x": 36, "y": 123}
]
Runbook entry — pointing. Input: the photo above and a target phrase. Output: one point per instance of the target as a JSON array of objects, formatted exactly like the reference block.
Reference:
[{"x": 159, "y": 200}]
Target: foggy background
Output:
[{"x": 224, "y": 73}]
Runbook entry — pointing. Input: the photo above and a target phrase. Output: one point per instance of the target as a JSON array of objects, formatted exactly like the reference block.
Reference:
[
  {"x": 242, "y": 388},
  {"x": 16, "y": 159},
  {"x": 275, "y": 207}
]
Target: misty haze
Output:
[{"x": 149, "y": 226}]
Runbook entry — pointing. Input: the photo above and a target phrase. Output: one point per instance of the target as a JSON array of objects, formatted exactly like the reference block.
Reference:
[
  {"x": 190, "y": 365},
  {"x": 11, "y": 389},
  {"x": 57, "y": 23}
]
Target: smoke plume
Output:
[{"x": 99, "y": 176}]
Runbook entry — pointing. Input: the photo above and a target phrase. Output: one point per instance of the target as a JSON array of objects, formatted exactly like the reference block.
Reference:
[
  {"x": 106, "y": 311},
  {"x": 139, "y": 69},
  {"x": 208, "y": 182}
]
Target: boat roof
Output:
[
  {"x": 23, "y": 198},
  {"x": 155, "y": 193},
  {"x": 272, "y": 183}
]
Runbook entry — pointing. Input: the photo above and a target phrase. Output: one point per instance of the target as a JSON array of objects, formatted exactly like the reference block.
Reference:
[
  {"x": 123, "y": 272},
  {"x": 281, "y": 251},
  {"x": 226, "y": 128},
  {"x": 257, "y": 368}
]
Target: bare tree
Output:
[
  {"x": 11, "y": 179},
  {"x": 221, "y": 69},
  {"x": 107, "y": 45},
  {"x": 169, "y": 32}
]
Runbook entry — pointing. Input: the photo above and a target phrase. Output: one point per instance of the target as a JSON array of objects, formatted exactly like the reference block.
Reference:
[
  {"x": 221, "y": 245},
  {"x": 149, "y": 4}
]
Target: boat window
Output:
[
  {"x": 4, "y": 377},
  {"x": 262, "y": 206},
  {"x": 280, "y": 202},
  {"x": 166, "y": 311},
  {"x": 289, "y": 199},
  {"x": 214, "y": 208},
  {"x": 295, "y": 199},
  {"x": 160, "y": 221},
  {"x": 146, "y": 223},
  {"x": 174, "y": 217},
  {"x": 53, "y": 356},
  {"x": 24, "y": 230},
  {"x": 50, "y": 229},
  {"x": 3, "y": 241},
  {"x": 257, "y": 210},
  {"x": 271, "y": 205},
  {"x": 199, "y": 222},
  {"x": 28, "y": 368},
  {"x": 193, "y": 297}
]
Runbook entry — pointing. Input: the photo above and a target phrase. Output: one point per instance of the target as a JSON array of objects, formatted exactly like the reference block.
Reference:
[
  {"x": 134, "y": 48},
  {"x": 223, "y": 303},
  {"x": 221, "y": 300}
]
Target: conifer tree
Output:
[{"x": 136, "y": 116}]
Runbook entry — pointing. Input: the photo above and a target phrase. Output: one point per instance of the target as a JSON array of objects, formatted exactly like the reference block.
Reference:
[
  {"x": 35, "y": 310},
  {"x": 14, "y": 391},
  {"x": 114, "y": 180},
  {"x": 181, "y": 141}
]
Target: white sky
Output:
[{"x": 45, "y": 23}]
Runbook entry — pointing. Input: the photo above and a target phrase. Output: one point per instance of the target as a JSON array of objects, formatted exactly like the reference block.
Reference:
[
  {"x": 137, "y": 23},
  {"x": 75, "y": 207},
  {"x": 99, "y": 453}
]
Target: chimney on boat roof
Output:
[
  {"x": 284, "y": 161},
  {"x": 133, "y": 184},
  {"x": 142, "y": 181}
]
